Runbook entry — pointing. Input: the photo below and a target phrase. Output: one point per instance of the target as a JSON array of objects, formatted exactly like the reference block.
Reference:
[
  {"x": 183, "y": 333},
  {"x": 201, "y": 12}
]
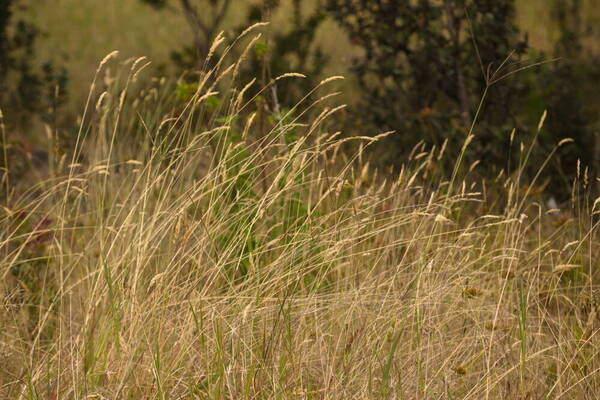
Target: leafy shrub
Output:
[{"x": 421, "y": 74}]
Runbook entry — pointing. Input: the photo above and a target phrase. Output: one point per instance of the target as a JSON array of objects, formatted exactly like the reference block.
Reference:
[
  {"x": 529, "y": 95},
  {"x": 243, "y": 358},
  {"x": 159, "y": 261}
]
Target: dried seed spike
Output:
[
  {"x": 542, "y": 120},
  {"x": 107, "y": 59},
  {"x": 565, "y": 141},
  {"x": 474, "y": 165},
  {"x": 565, "y": 267},
  {"x": 207, "y": 95},
  {"x": 330, "y": 79},
  {"x": 566, "y": 246},
  {"x": 248, "y": 125},
  {"x": 290, "y": 75},
  {"x": 443, "y": 149},
  {"x": 137, "y": 61},
  {"x": 258, "y": 24},
  {"x": 140, "y": 69},
  {"x": 596, "y": 202},
  {"x": 100, "y": 99},
  {"x": 218, "y": 40},
  {"x": 440, "y": 219}
]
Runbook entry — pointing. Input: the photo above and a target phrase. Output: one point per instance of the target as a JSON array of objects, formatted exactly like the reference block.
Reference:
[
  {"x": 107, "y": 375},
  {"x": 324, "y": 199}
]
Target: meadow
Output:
[{"x": 193, "y": 247}]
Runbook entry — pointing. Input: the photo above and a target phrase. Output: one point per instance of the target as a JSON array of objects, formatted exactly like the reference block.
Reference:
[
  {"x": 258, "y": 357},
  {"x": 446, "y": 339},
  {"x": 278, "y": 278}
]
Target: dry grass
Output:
[{"x": 180, "y": 255}]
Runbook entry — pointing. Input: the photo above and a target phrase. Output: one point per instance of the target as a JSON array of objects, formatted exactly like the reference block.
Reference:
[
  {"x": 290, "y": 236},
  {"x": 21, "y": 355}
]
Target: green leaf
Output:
[
  {"x": 185, "y": 91},
  {"x": 212, "y": 103},
  {"x": 261, "y": 49}
]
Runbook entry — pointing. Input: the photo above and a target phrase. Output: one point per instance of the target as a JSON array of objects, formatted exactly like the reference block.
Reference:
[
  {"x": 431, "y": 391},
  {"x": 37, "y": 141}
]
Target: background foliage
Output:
[
  {"x": 25, "y": 87},
  {"x": 419, "y": 68}
]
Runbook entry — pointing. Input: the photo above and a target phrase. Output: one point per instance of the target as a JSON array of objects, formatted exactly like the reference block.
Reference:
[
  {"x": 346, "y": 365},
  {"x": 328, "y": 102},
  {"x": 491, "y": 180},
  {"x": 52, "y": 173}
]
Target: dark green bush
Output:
[
  {"x": 427, "y": 64},
  {"x": 569, "y": 89}
]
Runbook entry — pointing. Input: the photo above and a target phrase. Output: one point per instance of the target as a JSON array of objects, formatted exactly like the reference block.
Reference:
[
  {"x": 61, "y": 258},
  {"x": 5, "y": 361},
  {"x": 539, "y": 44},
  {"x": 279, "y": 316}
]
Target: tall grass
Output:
[{"x": 205, "y": 247}]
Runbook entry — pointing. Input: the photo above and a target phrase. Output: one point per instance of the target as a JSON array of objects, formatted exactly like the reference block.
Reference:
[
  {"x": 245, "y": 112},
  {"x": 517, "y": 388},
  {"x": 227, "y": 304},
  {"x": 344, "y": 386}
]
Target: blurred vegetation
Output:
[
  {"x": 30, "y": 91},
  {"x": 568, "y": 90},
  {"x": 419, "y": 67},
  {"x": 427, "y": 65},
  {"x": 25, "y": 88},
  {"x": 275, "y": 53}
]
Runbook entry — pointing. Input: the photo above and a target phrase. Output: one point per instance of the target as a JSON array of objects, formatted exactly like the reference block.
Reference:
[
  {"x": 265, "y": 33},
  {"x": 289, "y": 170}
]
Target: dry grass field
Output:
[
  {"x": 191, "y": 249},
  {"x": 211, "y": 259}
]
